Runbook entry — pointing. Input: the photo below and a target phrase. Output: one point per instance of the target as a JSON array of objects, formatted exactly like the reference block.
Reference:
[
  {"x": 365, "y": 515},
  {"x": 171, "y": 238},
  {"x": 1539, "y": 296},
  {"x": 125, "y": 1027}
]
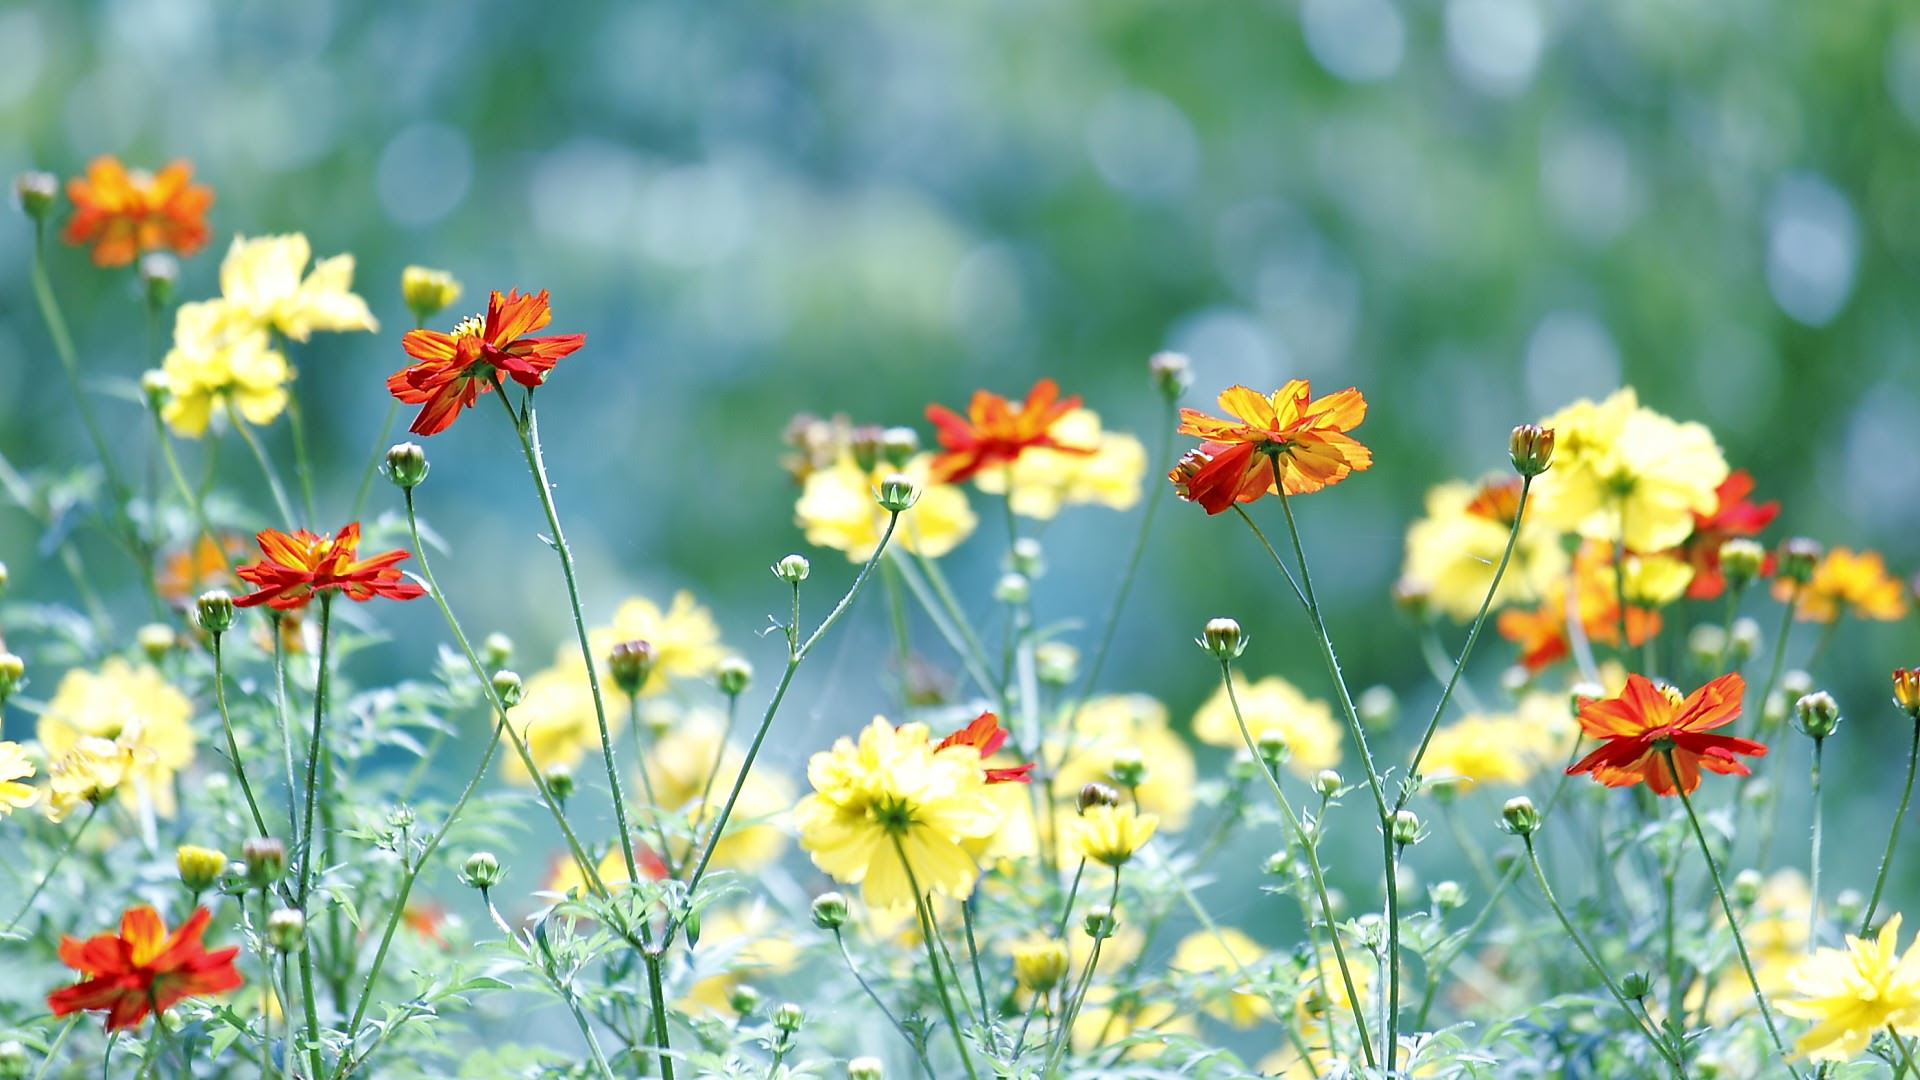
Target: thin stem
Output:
[
  {"x": 54, "y": 868},
  {"x": 713, "y": 770},
  {"x": 280, "y": 500},
  {"x": 1071, "y": 1011},
  {"x": 297, "y": 429},
  {"x": 1893, "y": 833},
  {"x": 646, "y": 782},
  {"x": 973, "y": 954},
  {"x": 373, "y": 460},
  {"x": 975, "y": 666},
  {"x": 266, "y": 970},
  {"x": 53, "y": 1052},
  {"x": 927, "y": 935},
  {"x": 315, "y": 746},
  {"x": 283, "y": 704},
  {"x": 233, "y": 743},
  {"x": 854, "y": 969},
  {"x": 1813, "y": 886}
]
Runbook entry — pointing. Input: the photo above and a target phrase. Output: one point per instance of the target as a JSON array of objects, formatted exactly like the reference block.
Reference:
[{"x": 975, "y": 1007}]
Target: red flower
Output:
[
  {"x": 1646, "y": 721},
  {"x": 1306, "y": 440},
  {"x": 1735, "y": 515},
  {"x": 142, "y": 969},
  {"x": 455, "y": 369},
  {"x": 300, "y": 564},
  {"x": 986, "y": 735},
  {"x": 995, "y": 431},
  {"x": 123, "y": 214}
]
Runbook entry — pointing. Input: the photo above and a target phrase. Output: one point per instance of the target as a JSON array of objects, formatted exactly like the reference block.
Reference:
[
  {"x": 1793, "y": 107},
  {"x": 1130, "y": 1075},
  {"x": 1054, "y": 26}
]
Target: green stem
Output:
[
  {"x": 53, "y": 1052},
  {"x": 713, "y": 770},
  {"x": 315, "y": 746},
  {"x": 373, "y": 461},
  {"x": 54, "y": 868},
  {"x": 259, "y": 452},
  {"x": 1071, "y": 1012},
  {"x": 233, "y": 743},
  {"x": 854, "y": 969},
  {"x": 1813, "y": 886},
  {"x": 928, "y": 933},
  {"x": 297, "y": 430},
  {"x": 646, "y": 782},
  {"x": 283, "y": 704},
  {"x": 1893, "y": 833},
  {"x": 973, "y": 954}
]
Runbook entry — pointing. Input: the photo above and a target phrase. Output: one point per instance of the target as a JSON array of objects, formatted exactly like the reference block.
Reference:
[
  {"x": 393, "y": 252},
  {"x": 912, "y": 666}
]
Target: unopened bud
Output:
[
  {"x": 199, "y": 867},
  {"x": 864, "y": 443},
  {"x": 1128, "y": 767},
  {"x": 788, "y": 1016},
  {"x": 286, "y": 930},
  {"x": 36, "y": 192},
  {"x": 1012, "y": 589},
  {"x": 158, "y": 271},
  {"x": 1531, "y": 448},
  {"x": 1584, "y": 694},
  {"x": 1378, "y": 706},
  {"x": 508, "y": 688},
  {"x": 1447, "y": 895},
  {"x": 559, "y": 778},
  {"x": 866, "y": 1068},
  {"x": 1272, "y": 745},
  {"x": 1520, "y": 817},
  {"x": 1746, "y": 887},
  {"x": 1413, "y": 596},
  {"x": 1746, "y": 641},
  {"x": 480, "y": 871},
  {"x": 793, "y": 569},
  {"x": 156, "y": 640},
  {"x": 1818, "y": 714},
  {"x": 1798, "y": 557},
  {"x": 732, "y": 674},
  {"x": 401, "y": 817},
  {"x": 897, "y": 493},
  {"x": 266, "y": 860},
  {"x": 1406, "y": 827},
  {"x": 744, "y": 1000},
  {"x": 1327, "y": 782},
  {"x": 156, "y": 388},
  {"x": 630, "y": 663},
  {"x": 427, "y": 292},
  {"x": 1635, "y": 985},
  {"x": 1906, "y": 690},
  {"x": 214, "y": 611},
  {"x": 1705, "y": 643},
  {"x": 830, "y": 910},
  {"x": 1056, "y": 663},
  {"x": 1027, "y": 557},
  {"x": 1100, "y": 922},
  {"x": 496, "y": 650},
  {"x": 1096, "y": 794},
  {"x": 15, "y": 1064},
  {"x": 1740, "y": 562},
  {"x": 406, "y": 465},
  {"x": 1796, "y": 683},
  {"x": 1223, "y": 639},
  {"x": 1278, "y": 863},
  {"x": 1172, "y": 373},
  {"x": 1848, "y": 906},
  {"x": 898, "y": 445}
]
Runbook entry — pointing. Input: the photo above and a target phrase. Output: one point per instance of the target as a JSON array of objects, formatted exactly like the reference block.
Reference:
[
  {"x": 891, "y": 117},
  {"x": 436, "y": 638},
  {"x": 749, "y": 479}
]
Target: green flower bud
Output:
[
  {"x": 1520, "y": 816},
  {"x": 559, "y": 779},
  {"x": 1222, "y": 639},
  {"x": 1127, "y": 767},
  {"x": 1378, "y": 707},
  {"x": 1272, "y": 744},
  {"x": 427, "y": 292},
  {"x": 266, "y": 860},
  {"x": 793, "y": 569},
  {"x": 36, "y": 192},
  {"x": 866, "y": 1068},
  {"x": 732, "y": 674},
  {"x": 1818, "y": 714},
  {"x": 1100, "y": 922},
  {"x": 286, "y": 930},
  {"x": 1740, "y": 562},
  {"x": 1798, "y": 557},
  {"x": 864, "y": 443},
  {"x": 496, "y": 650},
  {"x": 481, "y": 870},
  {"x": 1172, "y": 374},
  {"x": 898, "y": 445},
  {"x": 1056, "y": 663},
  {"x": 15, "y": 1064},
  {"x": 1012, "y": 589},
  {"x": 214, "y": 611},
  {"x": 508, "y": 688},
  {"x": 788, "y": 1017},
  {"x": 12, "y": 670},
  {"x": 744, "y": 1000},
  {"x": 1278, "y": 863},
  {"x": 1447, "y": 895},
  {"x": 1327, "y": 782},
  {"x": 1097, "y": 794},
  {"x": 156, "y": 640},
  {"x": 1406, "y": 827},
  {"x": 1531, "y": 449},
  {"x": 1746, "y": 887},
  {"x": 158, "y": 271},
  {"x": 897, "y": 493},
  {"x": 1635, "y": 985},
  {"x": 630, "y": 663},
  {"x": 830, "y": 910},
  {"x": 1027, "y": 557},
  {"x": 406, "y": 465}
]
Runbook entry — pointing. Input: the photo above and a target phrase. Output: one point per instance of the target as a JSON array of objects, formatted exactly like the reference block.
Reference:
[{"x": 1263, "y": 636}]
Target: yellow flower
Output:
[
  {"x": 1273, "y": 705},
  {"x": 556, "y": 718},
  {"x": 685, "y": 639},
  {"x": 427, "y": 292},
  {"x": 1852, "y": 993},
  {"x": 1479, "y": 749},
  {"x": 1454, "y": 550},
  {"x": 677, "y": 766},
  {"x": 736, "y": 943},
  {"x": 136, "y": 710},
  {"x": 1651, "y": 581},
  {"x": 1842, "y": 578},
  {"x": 1045, "y": 479},
  {"x": 837, "y": 509},
  {"x": 889, "y": 808},
  {"x": 87, "y": 774},
  {"x": 1111, "y": 834},
  {"x": 1615, "y": 459},
  {"x": 214, "y": 365},
  {"x": 565, "y": 876},
  {"x": 1226, "y": 950},
  {"x": 1122, "y": 726},
  {"x": 15, "y": 766},
  {"x": 1039, "y": 962},
  {"x": 1776, "y": 936},
  {"x": 261, "y": 288},
  {"x": 1105, "y": 1019}
]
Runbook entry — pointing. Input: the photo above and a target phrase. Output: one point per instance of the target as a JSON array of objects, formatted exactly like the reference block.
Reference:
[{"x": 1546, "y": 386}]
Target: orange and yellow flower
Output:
[
  {"x": 995, "y": 431},
  {"x": 985, "y": 735},
  {"x": 1843, "y": 578},
  {"x": 1541, "y": 632},
  {"x": 453, "y": 370},
  {"x": 299, "y": 565},
  {"x": 143, "y": 968},
  {"x": 122, "y": 214},
  {"x": 1735, "y": 515},
  {"x": 1645, "y": 723},
  {"x": 1305, "y": 440}
]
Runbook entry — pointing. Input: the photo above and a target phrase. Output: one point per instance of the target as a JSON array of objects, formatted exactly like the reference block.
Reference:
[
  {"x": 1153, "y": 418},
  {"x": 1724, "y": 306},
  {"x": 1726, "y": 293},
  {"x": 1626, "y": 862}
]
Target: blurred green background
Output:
[{"x": 1474, "y": 210}]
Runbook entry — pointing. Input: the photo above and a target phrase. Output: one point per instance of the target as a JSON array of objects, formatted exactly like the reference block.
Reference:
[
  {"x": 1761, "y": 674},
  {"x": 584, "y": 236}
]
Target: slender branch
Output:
[
  {"x": 54, "y": 868},
  {"x": 919, "y": 1052},
  {"x": 233, "y": 743},
  {"x": 1893, "y": 833},
  {"x": 928, "y": 934},
  {"x": 280, "y": 500}
]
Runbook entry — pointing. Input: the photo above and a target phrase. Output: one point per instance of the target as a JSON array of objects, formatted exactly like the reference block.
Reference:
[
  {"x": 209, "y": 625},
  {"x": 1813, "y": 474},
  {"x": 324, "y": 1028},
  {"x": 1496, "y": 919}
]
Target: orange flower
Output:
[
  {"x": 300, "y": 564},
  {"x": 189, "y": 571},
  {"x": 985, "y": 734},
  {"x": 995, "y": 431},
  {"x": 1640, "y": 726},
  {"x": 455, "y": 369},
  {"x": 1307, "y": 440},
  {"x": 1859, "y": 581},
  {"x": 142, "y": 969},
  {"x": 1735, "y": 515},
  {"x": 1541, "y": 633},
  {"x": 123, "y": 214}
]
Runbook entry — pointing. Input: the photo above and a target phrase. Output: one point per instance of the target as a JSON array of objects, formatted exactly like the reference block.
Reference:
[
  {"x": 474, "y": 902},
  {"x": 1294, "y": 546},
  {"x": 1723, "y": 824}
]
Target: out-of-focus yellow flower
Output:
[
  {"x": 87, "y": 774},
  {"x": 1652, "y": 581},
  {"x": 1323, "y": 1010},
  {"x": 555, "y": 717},
  {"x": 1776, "y": 936},
  {"x": 427, "y": 292},
  {"x": 1105, "y": 1018},
  {"x": 1454, "y": 550},
  {"x": 1858, "y": 582},
  {"x": 1853, "y": 993},
  {"x": 1039, "y": 962},
  {"x": 677, "y": 767},
  {"x": 214, "y": 365},
  {"x": 15, "y": 766},
  {"x": 837, "y": 509},
  {"x": 1225, "y": 950},
  {"x": 261, "y": 287},
  {"x": 565, "y": 875},
  {"x": 1122, "y": 726},
  {"x": 890, "y": 802},
  {"x": 1045, "y": 479},
  {"x": 136, "y": 710},
  {"x": 1481, "y": 749},
  {"x": 1111, "y": 834},
  {"x": 1274, "y": 705},
  {"x": 1615, "y": 460},
  {"x": 685, "y": 639},
  {"x": 1015, "y": 835},
  {"x": 744, "y": 943}
]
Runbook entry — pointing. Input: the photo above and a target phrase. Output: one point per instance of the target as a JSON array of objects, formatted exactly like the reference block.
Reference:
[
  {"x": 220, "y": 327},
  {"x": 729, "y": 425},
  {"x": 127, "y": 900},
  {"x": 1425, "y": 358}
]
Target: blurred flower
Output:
[
  {"x": 565, "y": 876},
  {"x": 1483, "y": 749},
  {"x": 297, "y": 566},
  {"x": 86, "y": 775},
  {"x": 125, "y": 213},
  {"x": 1274, "y": 706},
  {"x": 136, "y": 710},
  {"x": 1306, "y": 440},
  {"x": 1096, "y": 466},
  {"x": 1650, "y": 581},
  {"x": 186, "y": 572},
  {"x": 15, "y": 766},
  {"x": 453, "y": 370},
  {"x": 1541, "y": 633},
  {"x": 1111, "y": 834},
  {"x": 1454, "y": 550},
  {"x": 684, "y": 638},
  {"x": 1645, "y": 720},
  {"x": 1617, "y": 462},
  {"x": 261, "y": 288},
  {"x": 741, "y": 942},
  {"x": 837, "y": 510},
  {"x": 1119, "y": 727},
  {"x": 556, "y": 718},
  {"x": 1226, "y": 950},
  {"x": 214, "y": 366},
  {"x": 890, "y": 802},
  {"x": 1842, "y": 578},
  {"x": 996, "y": 433},
  {"x": 1039, "y": 962},
  {"x": 427, "y": 292},
  {"x": 986, "y": 736},
  {"x": 1734, "y": 515},
  {"x": 678, "y": 766},
  {"x": 143, "y": 969},
  {"x": 1776, "y": 935},
  {"x": 1851, "y": 994},
  {"x": 425, "y": 918}
]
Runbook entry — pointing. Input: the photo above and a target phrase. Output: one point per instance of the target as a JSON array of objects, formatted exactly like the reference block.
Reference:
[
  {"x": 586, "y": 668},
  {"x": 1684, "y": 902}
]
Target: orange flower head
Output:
[
  {"x": 201, "y": 565},
  {"x": 143, "y": 969},
  {"x": 1541, "y": 633},
  {"x": 996, "y": 431},
  {"x": 1304, "y": 439},
  {"x": 1844, "y": 579},
  {"x": 453, "y": 370},
  {"x": 985, "y": 734},
  {"x": 298, "y": 566},
  {"x": 1646, "y": 722},
  {"x": 1735, "y": 515},
  {"x": 123, "y": 214}
]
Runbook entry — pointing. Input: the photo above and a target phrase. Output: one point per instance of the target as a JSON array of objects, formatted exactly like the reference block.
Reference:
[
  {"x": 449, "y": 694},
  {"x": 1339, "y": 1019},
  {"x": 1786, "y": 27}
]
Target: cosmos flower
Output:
[
  {"x": 453, "y": 370},
  {"x": 122, "y": 214},
  {"x": 1646, "y": 722},
  {"x": 996, "y": 432},
  {"x": 986, "y": 736},
  {"x": 1617, "y": 463},
  {"x": 837, "y": 510},
  {"x": 1853, "y": 993},
  {"x": 297, "y": 566},
  {"x": 1305, "y": 439},
  {"x": 138, "y": 711},
  {"x": 1735, "y": 514},
  {"x": 143, "y": 968},
  {"x": 265, "y": 285},
  {"x": 1453, "y": 550},
  {"x": 1846, "y": 580},
  {"x": 1103, "y": 467}
]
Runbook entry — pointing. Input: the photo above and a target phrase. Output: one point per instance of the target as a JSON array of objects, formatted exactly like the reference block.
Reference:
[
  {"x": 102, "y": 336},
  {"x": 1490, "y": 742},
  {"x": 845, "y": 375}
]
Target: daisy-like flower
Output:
[
  {"x": 1130, "y": 728},
  {"x": 556, "y": 718},
  {"x": 565, "y": 876},
  {"x": 1483, "y": 749},
  {"x": 1452, "y": 552},
  {"x": 1541, "y": 632},
  {"x": 136, "y": 709},
  {"x": 1222, "y": 952},
  {"x": 837, "y": 509},
  {"x": 217, "y": 364},
  {"x": 890, "y": 802},
  {"x": 677, "y": 768},
  {"x": 1844, "y": 579},
  {"x": 1640, "y": 727},
  {"x": 265, "y": 284},
  {"x": 1852, "y": 993},
  {"x": 1616, "y": 462},
  {"x": 15, "y": 766},
  {"x": 1110, "y": 834},
  {"x": 453, "y": 370},
  {"x": 986, "y": 736},
  {"x": 1274, "y": 706},
  {"x": 186, "y": 572},
  {"x": 297, "y": 566},
  {"x": 996, "y": 432},
  {"x": 1305, "y": 439},
  {"x": 122, "y": 214},
  {"x": 1735, "y": 514},
  {"x": 143, "y": 968},
  {"x": 86, "y": 775},
  {"x": 1097, "y": 466}
]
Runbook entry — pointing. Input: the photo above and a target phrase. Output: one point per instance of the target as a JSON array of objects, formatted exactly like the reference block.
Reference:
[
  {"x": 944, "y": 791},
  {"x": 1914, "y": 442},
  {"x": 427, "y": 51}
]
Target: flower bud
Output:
[
  {"x": 266, "y": 860},
  {"x": 1100, "y": 922},
  {"x": 559, "y": 778},
  {"x": 788, "y": 1017},
  {"x": 1327, "y": 782},
  {"x": 406, "y": 465},
  {"x": 286, "y": 930},
  {"x": 1097, "y": 794},
  {"x": 401, "y": 817},
  {"x": 199, "y": 867},
  {"x": 1745, "y": 633},
  {"x": 1705, "y": 643},
  {"x": 158, "y": 271},
  {"x": 1222, "y": 639},
  {"x": 866, "y": 1068},
  {"x": 732, "y": 674},
  {"x": 1531, "y": 448},
  {"x": 1242, "y": 768},
  {"x": 233, "y": 879},
  {"x": 1414, "y": 597},
  {"x": 1520, "y": 817},
  {"x": 864, "y": 443},
  {"x": 1796, "y": 683},
  {"x": 1278, "y": 863},
  {"x": 36, "y": 192},
  {"x": 156, "y": 388},
  {"x": 1127, "y": 767},
  {"x": 1172, "y": 373},
  {"x": 1027, "y": 557},
  {"x": 427, "y": 292},
  {"x": 1056, "y": 663},
  {"x": 508, "y": 688},
  {"x": 1740, "y": 562},
  {"x": 12, "y": 670},
  {"x": 480, "y": 871},
  {"x": 214, "y": 611},
  {"x": 1378, "y": 707},
  {"x": 897, "y": 493},
  {"x": 793, "y": 569},
  {"x": 156, "y": 640},
  {"x": 1447, "y": 895},
  {"x": 1272, "y": 745},
  {"x": 1746, "y": 887},
  {"x": 1906, "y": 690},
  {"x": 1012, "y": 589},
  {"x": 630, "y": 663},
  {"x": 1040, "y": 965},
  {"x": 14, "y": 1062},
  {"x": 496, "y": 650},
  {"x": 1635, "y": 985},
  {"x": 1818, "y": 714},
  {"x": 898, "y": 445},
  {"x": 830, "y": 910},
  {"x": 1406, "y": 827},
  {"x": 1798, "y": 557},
  {"x": 744, "y": 1000},
  {"x": 1848, "y": 906}
]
